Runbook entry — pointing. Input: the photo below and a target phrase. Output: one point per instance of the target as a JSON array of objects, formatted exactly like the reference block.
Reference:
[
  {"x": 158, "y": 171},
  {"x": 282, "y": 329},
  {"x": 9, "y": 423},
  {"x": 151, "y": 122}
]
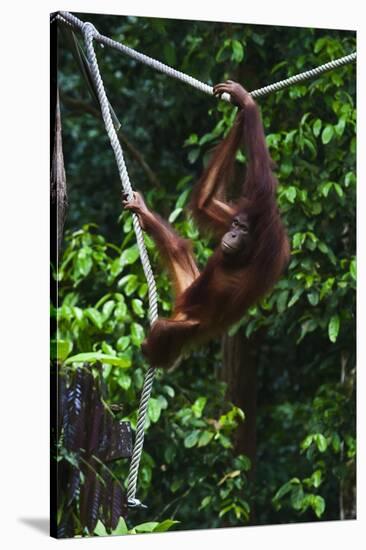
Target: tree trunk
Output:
[
  {"x": 58, "y": 177},
  {"x": 347, "y": 486},
  {"x": 240, "y": 374}
]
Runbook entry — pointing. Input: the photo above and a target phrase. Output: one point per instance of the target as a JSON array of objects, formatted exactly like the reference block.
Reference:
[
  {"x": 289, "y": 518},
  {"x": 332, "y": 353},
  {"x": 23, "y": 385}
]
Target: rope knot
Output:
[{"x": 89, "y": 30}]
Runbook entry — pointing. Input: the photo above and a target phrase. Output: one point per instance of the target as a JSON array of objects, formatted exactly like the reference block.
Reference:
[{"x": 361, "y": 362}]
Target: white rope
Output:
[
  {"x": 89, "y": 33},
  {"x": 76, "y": 23},
  {"x": 304, "y": 76}
]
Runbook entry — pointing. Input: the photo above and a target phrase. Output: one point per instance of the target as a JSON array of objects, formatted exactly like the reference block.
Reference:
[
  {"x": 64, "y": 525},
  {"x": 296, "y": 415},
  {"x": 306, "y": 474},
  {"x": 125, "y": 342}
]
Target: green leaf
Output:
[
  {"x": 60, "y": 349},
  {"x": 127, "y": 226},
  {"x": 243, "y": 462},
  {"x": 137, "y": 334},
  {"x": 318, "y": 505},
  {"x": 191, "y": 439},
  {"x": 226, "y": 509},
  {"x": 169, "y": 391},
  {"x": 124, "y": 380},
  {"x": 162, "y": 402},
  {"x": 351, "y": 446},
  {"x": 174, "y": 215},
  {"x": 316, "y": 208},
  {"x": 147, "y": 527},
  {"x": 205, "y": 438},
  {"x": 260, "y": 39},
  {"x": 121, "y": 528},
  {"x": 307, "y": 442},
  {"x": 95, "y": 316},
  {"x": 78, "y": 313},
  {"x": 297, "y": 497},
  {"x": 108, "y": 349},
  {"x": 108, "y": 308},
  {"x": 291, "y": 194},
  {"x": 285, "y": 488},
  {"x": 321, "y": 442},
  {"x": 306, "y": 327},
  {"x": 238, "y": 51},
  {"x": 122, "y": 283},
  {"x": 116, "y": 267},
  {"x": 313, "y": 297},
  {"x": 205, "y": 502},
  {"x": 122, "y": 343},
  {"x": 138, "y": 307},
  {"x": 84, "y": 261},
  {"x": 333, "y": 328},
  {"x": 319, "y": 44},
  {"x": 130, "y": 255},
  {"x": 317, "y": 126},
  {"x": 286, "y": 168},
  {"x": 295, "y": 297},
  {"x": 198, "y": 406},
  {"x": 327, "y": 134},
  {"x": 193, "y": 155},
  {"x": 100, "y": 530},
  {"x": 120, "y": 311},
  {"x": 340, "y": 126},
  {"x": 352, "y": 269},
  {"x": 154, "y": 409},
  {"x": 142, "y": 291},
  {"x": 338, "y": 189},
  {"x": 182, "y": 199},
  {"x": 316, "y": 478},
  {"x": 282, "y": 301},
  {"x": 310, "y": 145},
  {"x": 165, "y": 525},
  {"x": 326, "y": 287},
  {"x": 326, "y": 187},
  {"x": 336, "y": 442},
  {"x": 349, "y": 179},
  {"x": 298, "y": 240},
  {"x": 222, "y": 54},
  {"x": 176, "y": 485},
  {"x": 96, "y": 356},
  {"x": 225, "y": 441},
  {"x": 191, "y": 140}
]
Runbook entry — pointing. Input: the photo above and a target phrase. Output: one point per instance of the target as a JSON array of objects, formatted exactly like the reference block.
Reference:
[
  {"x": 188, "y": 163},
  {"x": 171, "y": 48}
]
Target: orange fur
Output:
[{"x": 207, "y": 303}]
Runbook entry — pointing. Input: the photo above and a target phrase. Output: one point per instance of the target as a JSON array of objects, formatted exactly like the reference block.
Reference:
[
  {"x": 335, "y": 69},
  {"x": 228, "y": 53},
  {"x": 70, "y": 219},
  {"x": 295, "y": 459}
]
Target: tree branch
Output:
[{"x": 79, "y": 106}]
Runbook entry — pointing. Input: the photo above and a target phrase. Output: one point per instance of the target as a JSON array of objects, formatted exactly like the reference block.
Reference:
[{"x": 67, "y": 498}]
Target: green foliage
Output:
[
  {"x": 147, "y": 527},
  {"x": 112, "y": 326},
  {"x": 306, "y": 395}
]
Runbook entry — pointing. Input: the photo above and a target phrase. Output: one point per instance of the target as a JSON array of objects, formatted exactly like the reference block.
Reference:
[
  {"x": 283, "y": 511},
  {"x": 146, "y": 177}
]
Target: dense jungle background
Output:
[{"x": 258, "y": 428}]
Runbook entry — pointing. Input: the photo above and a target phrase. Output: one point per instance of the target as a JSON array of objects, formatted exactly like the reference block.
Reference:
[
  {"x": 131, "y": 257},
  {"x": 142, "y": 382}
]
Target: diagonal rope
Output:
[
  {"x": 89, "y": 32},
  {"x": 281, "y": 84},
  {"x": 76, "y": 23}
]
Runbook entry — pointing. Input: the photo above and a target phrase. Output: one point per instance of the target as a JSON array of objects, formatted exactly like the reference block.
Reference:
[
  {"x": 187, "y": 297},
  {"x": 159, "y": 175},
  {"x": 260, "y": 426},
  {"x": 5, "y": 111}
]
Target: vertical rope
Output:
[{"x": 89, "y": 32}]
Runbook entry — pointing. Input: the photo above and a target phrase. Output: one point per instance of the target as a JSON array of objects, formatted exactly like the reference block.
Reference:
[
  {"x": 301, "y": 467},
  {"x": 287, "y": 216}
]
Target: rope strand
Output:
[
  {"x": 76, "y": 23},
  {"x": 89, "y": 33}
]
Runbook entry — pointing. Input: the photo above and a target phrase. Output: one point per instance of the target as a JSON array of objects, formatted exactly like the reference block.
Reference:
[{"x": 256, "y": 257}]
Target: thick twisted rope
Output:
[
  {"x": 304, "y": 76},
  {"x": 153, "y": 63},
  {"x": 161, "y": 67},
  {"x": 89, "y": 33}
]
